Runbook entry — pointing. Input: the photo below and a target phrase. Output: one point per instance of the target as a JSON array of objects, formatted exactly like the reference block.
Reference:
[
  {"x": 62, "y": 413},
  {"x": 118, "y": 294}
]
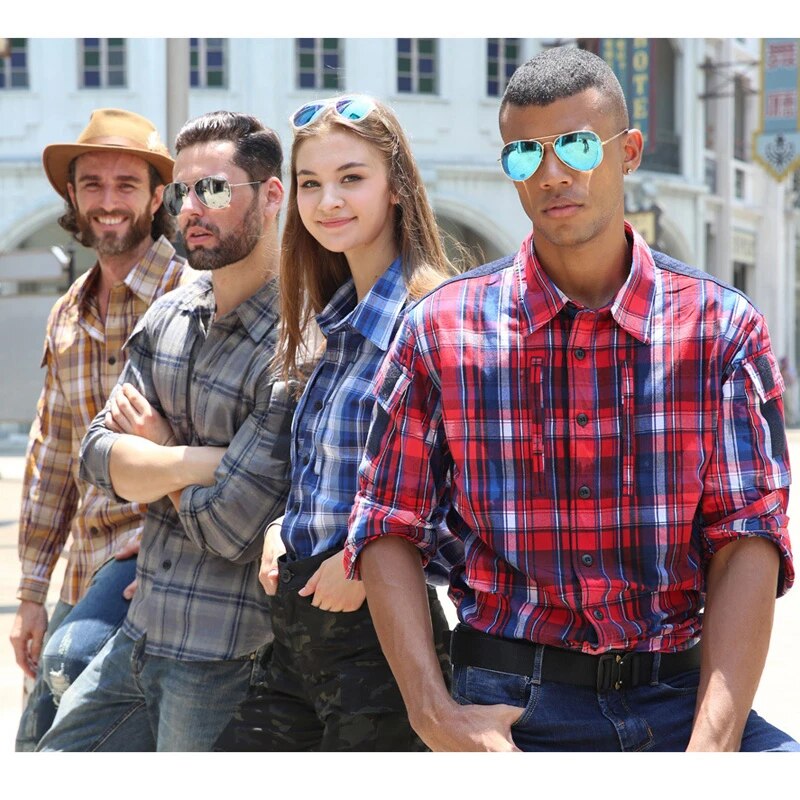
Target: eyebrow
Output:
[
  {"x": 343, "y": 168},
  {"x": 128, "y": 178}
]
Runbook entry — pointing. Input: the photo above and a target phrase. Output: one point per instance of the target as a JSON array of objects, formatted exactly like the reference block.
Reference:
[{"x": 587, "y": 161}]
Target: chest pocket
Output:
[{"x": 496, "y": 439}]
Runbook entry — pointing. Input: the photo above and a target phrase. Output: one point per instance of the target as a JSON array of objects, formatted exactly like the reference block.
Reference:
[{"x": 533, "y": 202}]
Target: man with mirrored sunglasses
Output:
[
  {"x": 608, "y": 423},
  {"x": 197, "y": 427}
]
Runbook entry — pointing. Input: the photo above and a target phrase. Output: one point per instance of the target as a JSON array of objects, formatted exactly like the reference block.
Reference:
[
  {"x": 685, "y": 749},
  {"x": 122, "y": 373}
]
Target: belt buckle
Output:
[{"x": 609, "y": 671}]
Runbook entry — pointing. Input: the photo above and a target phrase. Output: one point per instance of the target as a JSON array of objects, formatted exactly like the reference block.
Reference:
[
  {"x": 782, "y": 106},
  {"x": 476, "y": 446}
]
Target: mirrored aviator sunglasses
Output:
[
  {"x": 214, "y": 193},
  {"x": 579, "y": 150},
  {"x": 353, "y": 108}
]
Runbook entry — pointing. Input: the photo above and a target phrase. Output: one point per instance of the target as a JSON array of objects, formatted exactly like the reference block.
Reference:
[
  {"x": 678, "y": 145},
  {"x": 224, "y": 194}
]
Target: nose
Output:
[
  {"x": 109, "y": 196},
  {"x": 552, "y": 170},
  {"x": 190, "y": 205},
  {"x": 330, "y": 198}
]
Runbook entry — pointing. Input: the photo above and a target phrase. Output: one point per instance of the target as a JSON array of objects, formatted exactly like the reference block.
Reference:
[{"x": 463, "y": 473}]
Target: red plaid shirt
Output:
[{"x": 595, "y": 460}]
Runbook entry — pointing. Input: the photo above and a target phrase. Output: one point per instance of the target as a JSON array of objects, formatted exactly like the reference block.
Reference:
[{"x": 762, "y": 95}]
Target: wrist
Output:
[{"x": 431, "y": 712}]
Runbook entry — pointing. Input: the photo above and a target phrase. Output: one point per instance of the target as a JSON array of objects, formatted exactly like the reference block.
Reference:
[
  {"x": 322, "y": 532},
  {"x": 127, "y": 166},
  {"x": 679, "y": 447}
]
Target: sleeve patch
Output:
[
  {"x": 390, "y": 379},
  {"x": 772, "y": 414},
  {"x": 377, "y": 429},
  {"x": 765, "y": 374},
  {"x": 763, "y": 367}
]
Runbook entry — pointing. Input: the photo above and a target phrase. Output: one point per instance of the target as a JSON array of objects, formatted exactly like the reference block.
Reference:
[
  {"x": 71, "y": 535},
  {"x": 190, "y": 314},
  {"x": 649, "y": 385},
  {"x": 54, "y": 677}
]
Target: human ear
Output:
[{"x": 633, "y": 145}]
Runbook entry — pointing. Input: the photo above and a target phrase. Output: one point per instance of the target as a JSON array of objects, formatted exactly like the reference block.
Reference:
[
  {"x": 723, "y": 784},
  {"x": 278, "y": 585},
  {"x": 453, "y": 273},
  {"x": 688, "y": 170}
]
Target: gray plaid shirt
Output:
[{"x": 198, "y": 597}]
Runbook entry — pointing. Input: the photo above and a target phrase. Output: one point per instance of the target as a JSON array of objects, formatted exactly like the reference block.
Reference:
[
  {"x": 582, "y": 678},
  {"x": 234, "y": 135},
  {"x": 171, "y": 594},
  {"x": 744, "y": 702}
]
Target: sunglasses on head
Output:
[
  {"x": 211, "y": 192},
  {"x": 579, "y": 150},
  {"x": 353, "y": 108}
]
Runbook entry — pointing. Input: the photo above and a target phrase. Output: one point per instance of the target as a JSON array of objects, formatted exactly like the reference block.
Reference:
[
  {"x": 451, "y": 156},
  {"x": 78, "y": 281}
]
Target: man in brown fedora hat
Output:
[{"x": 112, "y": 180}]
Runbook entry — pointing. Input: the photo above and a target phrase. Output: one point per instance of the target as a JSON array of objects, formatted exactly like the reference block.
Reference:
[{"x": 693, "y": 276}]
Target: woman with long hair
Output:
[{"x": 360, "y": 244}]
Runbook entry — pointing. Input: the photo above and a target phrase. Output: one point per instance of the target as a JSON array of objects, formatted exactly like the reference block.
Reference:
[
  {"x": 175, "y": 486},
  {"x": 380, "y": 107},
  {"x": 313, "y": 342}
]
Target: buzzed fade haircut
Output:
[
  {"x": 562, "y": 72},
  {"x": 258, "y": 148}
]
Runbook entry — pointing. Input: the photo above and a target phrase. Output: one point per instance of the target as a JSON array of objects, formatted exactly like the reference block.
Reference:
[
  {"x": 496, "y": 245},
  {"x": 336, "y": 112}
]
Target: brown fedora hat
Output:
[{"x": 110, "y": 130}]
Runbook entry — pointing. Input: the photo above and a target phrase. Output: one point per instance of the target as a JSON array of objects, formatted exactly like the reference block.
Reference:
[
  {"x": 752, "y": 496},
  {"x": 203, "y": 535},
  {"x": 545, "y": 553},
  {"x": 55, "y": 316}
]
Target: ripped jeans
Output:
[{"x": 75, "y": 634}]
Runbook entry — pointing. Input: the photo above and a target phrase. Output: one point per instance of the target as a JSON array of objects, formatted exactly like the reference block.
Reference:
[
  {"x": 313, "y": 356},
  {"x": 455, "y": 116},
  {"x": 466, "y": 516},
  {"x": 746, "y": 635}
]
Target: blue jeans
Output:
[
  {"x": 129, "y": 701},
  {"x": 562, "y": 717},
  {"x": 75, "y": 634}
]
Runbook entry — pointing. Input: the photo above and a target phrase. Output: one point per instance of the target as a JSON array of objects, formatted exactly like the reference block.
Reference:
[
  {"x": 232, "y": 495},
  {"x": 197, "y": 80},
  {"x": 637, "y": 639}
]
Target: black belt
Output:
[{"x": 613, "y": 670}]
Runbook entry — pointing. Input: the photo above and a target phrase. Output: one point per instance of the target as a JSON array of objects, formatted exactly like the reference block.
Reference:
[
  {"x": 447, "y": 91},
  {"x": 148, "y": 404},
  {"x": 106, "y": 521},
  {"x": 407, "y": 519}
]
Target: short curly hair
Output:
[{"x": 562, "y": 72}]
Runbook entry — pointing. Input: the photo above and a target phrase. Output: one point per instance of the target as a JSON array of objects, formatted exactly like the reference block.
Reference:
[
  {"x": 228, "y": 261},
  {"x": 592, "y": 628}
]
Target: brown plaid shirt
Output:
[{"x": 84, "y": 358}]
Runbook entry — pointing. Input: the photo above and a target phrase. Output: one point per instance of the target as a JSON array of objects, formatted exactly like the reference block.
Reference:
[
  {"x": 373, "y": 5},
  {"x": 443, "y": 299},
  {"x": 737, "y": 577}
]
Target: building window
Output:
[
  {"x": 502, "y": 59},
  {"x": 320, "y": 64},
  {"x": 416, "y": 66},
  {"x": 102, "y": 63},
  {"x": 740, "y": 274},
  {"x": 14, "y": 65},
  {"x": 208, "y": 60}
]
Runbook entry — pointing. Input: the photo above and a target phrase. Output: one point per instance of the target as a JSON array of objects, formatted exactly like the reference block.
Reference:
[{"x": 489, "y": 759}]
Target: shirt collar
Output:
[
  {"x": 258, "y": 313},
  {"x": 375, "y": 316},
  {"x": 632, "y": 307},
  {"x": 144, "y": 280}
]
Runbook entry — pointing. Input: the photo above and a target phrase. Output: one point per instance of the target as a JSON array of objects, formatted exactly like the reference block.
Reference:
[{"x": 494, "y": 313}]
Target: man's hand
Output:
[
  {"x": 331, "y": 590},
  {"x": 273, "y": 549},
  {"x": 471, "y": 729},
  {"x": 128, "y": 551},
  {"x": 27, "y": 634},
  {"x": 131, "y": 412}
]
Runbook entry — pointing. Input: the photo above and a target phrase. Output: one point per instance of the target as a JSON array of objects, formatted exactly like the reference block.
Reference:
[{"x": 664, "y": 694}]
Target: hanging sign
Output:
[{"x": 776, "y": 144}]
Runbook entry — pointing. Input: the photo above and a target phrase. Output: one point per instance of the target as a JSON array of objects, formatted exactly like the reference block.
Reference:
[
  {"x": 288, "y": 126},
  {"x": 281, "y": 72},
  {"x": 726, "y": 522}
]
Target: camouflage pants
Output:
[{"x": 326, "y": 684}]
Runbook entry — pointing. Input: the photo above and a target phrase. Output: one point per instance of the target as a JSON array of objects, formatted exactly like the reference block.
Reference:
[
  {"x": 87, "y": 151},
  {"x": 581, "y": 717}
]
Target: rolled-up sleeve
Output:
[
  {"x": 402, "y": 486},
  {"x": 746, "y": 485},
  {"x": 251, "y": 483}
]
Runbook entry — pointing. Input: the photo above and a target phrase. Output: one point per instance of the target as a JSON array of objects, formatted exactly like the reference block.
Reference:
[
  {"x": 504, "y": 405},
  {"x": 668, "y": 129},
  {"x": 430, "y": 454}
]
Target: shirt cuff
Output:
[
  {"x": 33, "y": 590},
  {"x": 96, "y": 459}
]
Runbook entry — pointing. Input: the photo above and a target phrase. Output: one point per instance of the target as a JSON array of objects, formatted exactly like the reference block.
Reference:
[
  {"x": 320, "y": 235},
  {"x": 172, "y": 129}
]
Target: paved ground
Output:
[{"x": 778, "y": 697}]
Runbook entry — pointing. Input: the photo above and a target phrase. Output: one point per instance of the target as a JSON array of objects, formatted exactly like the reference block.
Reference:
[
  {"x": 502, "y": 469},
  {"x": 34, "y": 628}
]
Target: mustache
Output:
[{"x": 104, "y": 212}]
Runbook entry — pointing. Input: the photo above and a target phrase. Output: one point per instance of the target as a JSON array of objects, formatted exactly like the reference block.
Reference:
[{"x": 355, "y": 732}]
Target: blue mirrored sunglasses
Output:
[
  {"x": 579, "y": 150},
  {"x": 353, "y": 108}
]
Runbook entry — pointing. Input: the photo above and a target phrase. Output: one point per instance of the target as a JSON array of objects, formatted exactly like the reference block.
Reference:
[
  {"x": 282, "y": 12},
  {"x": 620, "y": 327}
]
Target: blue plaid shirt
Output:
[
  {"x": 198, "y": 596},
  {"x": 330, "y": 426}
]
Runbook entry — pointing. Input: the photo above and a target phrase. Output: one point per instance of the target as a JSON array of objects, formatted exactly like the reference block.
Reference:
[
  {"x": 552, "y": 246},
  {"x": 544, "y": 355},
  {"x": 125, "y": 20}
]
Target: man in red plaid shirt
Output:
[{"x": 608, "y": 425}]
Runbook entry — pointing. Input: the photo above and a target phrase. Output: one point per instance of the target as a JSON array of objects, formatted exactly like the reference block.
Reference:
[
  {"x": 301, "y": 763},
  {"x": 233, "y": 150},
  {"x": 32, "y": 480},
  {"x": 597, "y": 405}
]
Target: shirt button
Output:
[
  {"x": 296, "y": 508},
  {"x": 597, "y": 614},
  {"x": 587, "y": 560},
  {"x": 582, "y": 420},
  {"x": 580, "y": 354},
  {"x": 93, "y": 530},
  {"x": 584, "y": 493},
  {"x": 286, "y": 576},
  {"x": 306, "y": 458},
  {"x": 318, "y": 405},
  {"x": 112, "y": 360},
  {"x": 166, "y": 564}
]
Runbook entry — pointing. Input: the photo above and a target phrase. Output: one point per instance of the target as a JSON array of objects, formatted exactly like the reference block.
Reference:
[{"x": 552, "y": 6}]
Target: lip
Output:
[
  {"x": 110, "y": 220},
  {"x": 562, "y": 208},
  {"x": 197, "y": 235},
  {"x": 333, "y": 224}
]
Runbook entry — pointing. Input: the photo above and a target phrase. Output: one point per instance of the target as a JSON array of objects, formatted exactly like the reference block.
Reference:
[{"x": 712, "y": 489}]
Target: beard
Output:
[
  {"x": 233, "y": 247},
  {"x": 111, "y": 243}
]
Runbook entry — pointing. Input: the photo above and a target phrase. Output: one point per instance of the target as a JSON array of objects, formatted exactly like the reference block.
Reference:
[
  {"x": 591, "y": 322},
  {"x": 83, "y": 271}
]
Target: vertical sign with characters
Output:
[
  {"x": 631, "y": 60},
  {"x": 776, "y": 144}
]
